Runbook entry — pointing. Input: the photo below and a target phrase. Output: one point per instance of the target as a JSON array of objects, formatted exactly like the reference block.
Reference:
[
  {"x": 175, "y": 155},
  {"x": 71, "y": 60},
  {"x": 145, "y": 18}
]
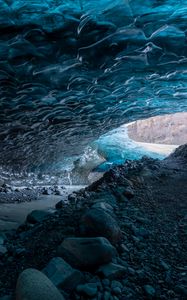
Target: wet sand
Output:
[{"x": 12, "y": 215}]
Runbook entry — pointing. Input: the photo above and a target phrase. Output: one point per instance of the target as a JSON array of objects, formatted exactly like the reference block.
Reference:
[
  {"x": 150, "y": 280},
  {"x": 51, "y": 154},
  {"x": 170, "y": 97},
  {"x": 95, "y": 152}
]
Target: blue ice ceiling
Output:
[{"x": 73, "y": 70}]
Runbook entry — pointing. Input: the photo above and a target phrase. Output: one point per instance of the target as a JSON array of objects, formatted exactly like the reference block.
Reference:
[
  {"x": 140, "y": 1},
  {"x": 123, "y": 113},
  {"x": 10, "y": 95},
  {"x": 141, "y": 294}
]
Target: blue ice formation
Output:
[{"x": 72, "y": 70}]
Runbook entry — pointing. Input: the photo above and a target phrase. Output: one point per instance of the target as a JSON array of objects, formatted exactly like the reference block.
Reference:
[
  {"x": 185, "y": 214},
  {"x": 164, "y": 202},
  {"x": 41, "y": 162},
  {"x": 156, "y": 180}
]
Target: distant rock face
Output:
[
  {"x": 166, "y": 129},
  {"x": 34, "y": 285}
]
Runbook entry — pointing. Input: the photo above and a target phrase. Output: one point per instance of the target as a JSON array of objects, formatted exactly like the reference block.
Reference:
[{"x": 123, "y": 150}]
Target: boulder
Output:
[
  {"x": 87, "y": 253},
  {"x": 37, "y": 216},
  {"x": 112, "y": 271},
  {"x": 34, "y": 285},
  {"x": 62, "y": 274},
  {"x": 99, "y": 222}
]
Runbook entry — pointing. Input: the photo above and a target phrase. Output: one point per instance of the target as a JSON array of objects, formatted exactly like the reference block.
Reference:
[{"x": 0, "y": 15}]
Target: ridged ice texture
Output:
[{"x": 72, "y": 70}]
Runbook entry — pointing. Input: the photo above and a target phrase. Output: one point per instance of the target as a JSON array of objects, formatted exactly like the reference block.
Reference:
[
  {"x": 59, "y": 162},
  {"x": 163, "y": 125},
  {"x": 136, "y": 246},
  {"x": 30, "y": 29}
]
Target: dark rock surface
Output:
[
  {"x": 33, "y": 285},
  {"x": 87, "y": 253},
  {"x": 37, "y": 216},
  {"x": 99, "y": 222},
  {"x": 62, "y": 274},
  {"x": 149, "y": 262}
]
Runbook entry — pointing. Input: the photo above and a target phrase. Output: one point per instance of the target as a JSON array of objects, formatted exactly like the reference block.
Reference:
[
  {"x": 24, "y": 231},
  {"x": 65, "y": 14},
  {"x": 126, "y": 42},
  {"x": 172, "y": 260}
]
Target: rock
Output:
[
  {"x": 59, "y": 204},
  {"x": 62, "y": 274},
  {"x": 164, "y": 265},
  {"x": 3, "y": 250},
  {"x": 7, "y": 297},
  {"x": 98, "y": 222},
  {"x": 103, "y": 205},
  {"x": 37, "y": 216},
  {"x": 46, "y": 191},
  {"x": 107, "y": 295},
  {"x": 181, "y": 289},
  {"x": 105, "y": 196},
  {"x": 88, "y": 289},
  {"x": 85, "y": 253},
  {"x": 112, "y": 271},
  {"x": 116, "y": 291},
  {"x": 115, "y": 284},
  {"x": 33, "y": 285},
  {"x": 149, "y": 290},
  {"x": 128, "y": 192}
]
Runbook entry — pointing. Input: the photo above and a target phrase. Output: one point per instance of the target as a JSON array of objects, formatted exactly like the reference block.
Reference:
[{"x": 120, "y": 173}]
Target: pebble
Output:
[
  {"x": 149, "y": 290},
  {"x": 88, "y": 289},
  {"x": 3, "y": 250}
]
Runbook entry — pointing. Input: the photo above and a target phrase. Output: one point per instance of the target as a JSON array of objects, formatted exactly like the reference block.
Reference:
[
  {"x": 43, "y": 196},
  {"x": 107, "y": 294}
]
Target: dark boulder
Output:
[
  {"x": 37, "y": 216},
  {"x": 34, "y": 285},
  {"x": 87, "y": 253},
  {"x": 62, "y": 274},
  {"x": 99, "y": 222}
]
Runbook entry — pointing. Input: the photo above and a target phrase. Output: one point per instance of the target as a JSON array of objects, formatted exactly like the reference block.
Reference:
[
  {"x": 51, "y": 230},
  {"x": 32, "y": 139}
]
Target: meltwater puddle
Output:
[{"x": 12, "y": 215}]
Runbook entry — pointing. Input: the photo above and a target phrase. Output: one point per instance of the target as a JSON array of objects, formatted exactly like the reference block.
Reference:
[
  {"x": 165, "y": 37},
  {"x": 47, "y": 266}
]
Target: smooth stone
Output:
[
  {"x": 116, "y": 291},
  {"x": 98, "y": 222},
  {"x": 149, "y": 290},
  {"x": 88, "y": 289},
  {"x": 106, "y": 282},
  {"x": 107, "y": 295},
  {"x": 3, "y": 250},
  {"x": 2, "y": 239},
  {"x": 37, "y": 216},
  {"x": 86, "y": 253},
  {"x": 115, "y": 284},
  {"x": 34, "y": 285},
  {"x": 62, "y": 274},
  {"x": 112, "y": 271}
]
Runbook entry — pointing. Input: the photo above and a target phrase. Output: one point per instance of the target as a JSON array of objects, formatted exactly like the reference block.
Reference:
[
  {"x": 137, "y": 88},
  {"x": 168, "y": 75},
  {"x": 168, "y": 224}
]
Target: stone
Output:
[
  {"x": 33, "y": 285},
  {"x": 103, "y": 205},
  {"x": 88, "y": 289},
  {"x": 116, "y": 291},
  {"x": 115, "y": 284},
  {"x": 7, "y": 297},
  {"x": 128, "y": 192},
  {"x": 112, "y": 271},
  {"x": 3, "y": 250},
  {"x": 62, "y": 274},
  {"x": 98, "y": 222},
  {"x": 37, "y": 216},
  {"x": 86, "y": 253},
  {"x": 181, "y": 289},
  {"x": 107, "y": 295},
  {"x": 59, "y": 204},
  {"x": 46, "y": 191},
  {"x": 149, "y": 290},
  {"x": 106, "y": 282}
]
